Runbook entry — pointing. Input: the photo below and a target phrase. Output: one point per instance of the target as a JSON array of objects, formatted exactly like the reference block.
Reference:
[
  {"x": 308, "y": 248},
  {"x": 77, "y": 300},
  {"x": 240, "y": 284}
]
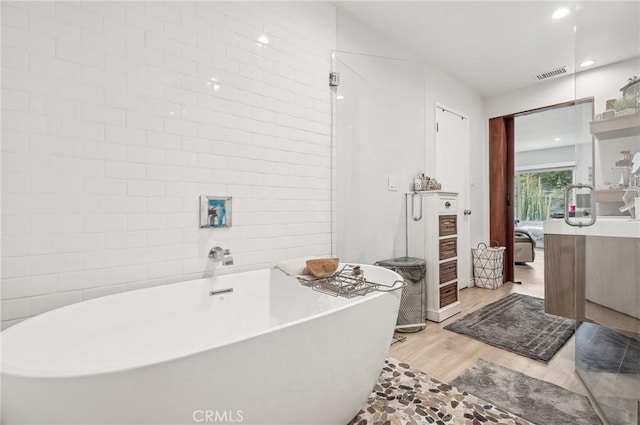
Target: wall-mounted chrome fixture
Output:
[
  {"x": 215, "y": 211},
  {"x": 219, "y": 254}
]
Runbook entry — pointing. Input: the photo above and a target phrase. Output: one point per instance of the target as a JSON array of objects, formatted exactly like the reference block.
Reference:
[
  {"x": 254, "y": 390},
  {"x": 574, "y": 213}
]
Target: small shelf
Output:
[
  {"x": 617, "y": 127},
  {"x": 609, "y": 195}
]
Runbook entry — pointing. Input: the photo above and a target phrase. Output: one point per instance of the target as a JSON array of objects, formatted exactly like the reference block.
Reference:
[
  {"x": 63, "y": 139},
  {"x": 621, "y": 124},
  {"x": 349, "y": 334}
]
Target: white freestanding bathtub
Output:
[{"x": 270, "y": 352}]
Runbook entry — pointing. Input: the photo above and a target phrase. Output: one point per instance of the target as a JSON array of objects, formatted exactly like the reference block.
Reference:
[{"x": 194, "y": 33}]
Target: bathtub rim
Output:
[{"x": 39, "y": 374}]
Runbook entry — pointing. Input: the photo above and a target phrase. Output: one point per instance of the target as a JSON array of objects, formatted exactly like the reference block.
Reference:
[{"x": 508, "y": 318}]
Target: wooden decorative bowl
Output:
[{"x": 322, "y": 267}]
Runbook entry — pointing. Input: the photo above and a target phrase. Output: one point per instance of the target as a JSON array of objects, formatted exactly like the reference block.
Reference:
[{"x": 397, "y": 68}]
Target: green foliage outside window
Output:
[{"x": 541, "y": 193}]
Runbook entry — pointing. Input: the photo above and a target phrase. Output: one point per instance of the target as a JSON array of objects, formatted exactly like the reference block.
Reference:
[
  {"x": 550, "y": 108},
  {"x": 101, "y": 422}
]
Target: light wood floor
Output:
[{"x": 445, "y": 355}]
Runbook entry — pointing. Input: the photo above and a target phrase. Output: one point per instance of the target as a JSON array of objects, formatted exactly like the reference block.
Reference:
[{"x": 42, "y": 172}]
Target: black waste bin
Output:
[{"x": 413, "y": 301}]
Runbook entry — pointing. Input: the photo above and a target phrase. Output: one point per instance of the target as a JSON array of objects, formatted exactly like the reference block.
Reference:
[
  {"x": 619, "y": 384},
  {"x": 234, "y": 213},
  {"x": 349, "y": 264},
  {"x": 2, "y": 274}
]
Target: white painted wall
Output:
[
  {"x": 112, "y": 128},
  {"x": 601, "y": 83},
  {"x": 440, "y": 87}
]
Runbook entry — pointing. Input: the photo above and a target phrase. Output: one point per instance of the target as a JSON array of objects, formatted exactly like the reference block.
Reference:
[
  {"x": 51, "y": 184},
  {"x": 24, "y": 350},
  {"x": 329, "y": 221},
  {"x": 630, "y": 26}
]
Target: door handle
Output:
[
  {"x": 508, "y": 199},
  {"x": 467, "y": 212},
  {"x": 592, "y": 200}
]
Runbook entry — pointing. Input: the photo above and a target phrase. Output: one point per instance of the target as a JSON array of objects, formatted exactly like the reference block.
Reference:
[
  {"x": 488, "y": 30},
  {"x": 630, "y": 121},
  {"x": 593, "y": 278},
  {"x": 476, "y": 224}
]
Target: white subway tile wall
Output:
[{"x": 116, "y": 116}]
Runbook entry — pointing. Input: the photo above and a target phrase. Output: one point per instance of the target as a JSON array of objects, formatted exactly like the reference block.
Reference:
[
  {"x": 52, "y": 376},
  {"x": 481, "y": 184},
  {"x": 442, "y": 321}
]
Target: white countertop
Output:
[{"x": 618, "y": 227}]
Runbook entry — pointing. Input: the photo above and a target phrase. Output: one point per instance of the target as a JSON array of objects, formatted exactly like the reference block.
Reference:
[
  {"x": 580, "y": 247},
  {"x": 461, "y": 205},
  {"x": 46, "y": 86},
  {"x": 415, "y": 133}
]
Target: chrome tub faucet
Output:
[{"x": 218, "y": 254}]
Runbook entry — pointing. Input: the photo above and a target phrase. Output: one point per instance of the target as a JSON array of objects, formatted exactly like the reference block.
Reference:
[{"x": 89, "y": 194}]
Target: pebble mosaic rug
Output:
[
  {"x": 404, "y": 396},
  {"x": 517, "y": 323}
]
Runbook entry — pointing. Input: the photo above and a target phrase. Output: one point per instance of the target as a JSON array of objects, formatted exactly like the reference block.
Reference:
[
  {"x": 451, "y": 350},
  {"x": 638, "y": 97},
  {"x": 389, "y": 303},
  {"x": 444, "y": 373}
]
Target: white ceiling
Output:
[{"x": 498, "y": 46}]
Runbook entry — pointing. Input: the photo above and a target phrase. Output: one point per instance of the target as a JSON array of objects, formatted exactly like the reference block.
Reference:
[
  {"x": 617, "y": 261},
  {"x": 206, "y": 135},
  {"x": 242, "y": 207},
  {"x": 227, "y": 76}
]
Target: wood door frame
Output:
[{"x": 501, "y": 176}]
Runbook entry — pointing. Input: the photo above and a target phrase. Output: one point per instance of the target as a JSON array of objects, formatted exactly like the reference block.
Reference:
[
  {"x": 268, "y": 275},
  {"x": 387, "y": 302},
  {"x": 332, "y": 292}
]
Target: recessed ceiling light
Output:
[
  {"x": 560, "y": 13},
  {"x": 216, "y": 87},
  {"x": 557, "y": 139},
  {"x": 263, "y": 39},
  {"x": 588, "y": 62},
  {"x": 339, "y": 97}
]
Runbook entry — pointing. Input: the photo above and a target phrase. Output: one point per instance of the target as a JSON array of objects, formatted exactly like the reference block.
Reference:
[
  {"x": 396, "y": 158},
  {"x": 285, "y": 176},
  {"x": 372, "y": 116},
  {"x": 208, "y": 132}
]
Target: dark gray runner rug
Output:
[
  {"x": 517, "y": 323},
  {"x": 537, "y": 401}
]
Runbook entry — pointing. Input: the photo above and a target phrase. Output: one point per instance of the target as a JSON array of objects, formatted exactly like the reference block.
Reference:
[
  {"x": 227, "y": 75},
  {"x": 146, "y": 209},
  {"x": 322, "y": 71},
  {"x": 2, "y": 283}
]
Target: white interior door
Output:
[{"x": 452, "y": 171}]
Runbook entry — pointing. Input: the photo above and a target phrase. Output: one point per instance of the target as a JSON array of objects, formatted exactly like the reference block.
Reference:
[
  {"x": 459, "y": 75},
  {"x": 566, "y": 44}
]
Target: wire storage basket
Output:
[{"x": 488, "y": 265}]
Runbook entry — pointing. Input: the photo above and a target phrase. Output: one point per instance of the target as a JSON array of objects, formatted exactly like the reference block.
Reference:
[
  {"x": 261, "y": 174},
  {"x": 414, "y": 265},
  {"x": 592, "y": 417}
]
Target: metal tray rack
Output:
[{"x": 347, "y": 282}]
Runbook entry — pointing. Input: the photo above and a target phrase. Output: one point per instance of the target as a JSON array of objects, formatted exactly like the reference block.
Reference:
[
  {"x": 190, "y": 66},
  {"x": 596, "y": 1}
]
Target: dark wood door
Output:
[{"x": 501, "y": 195}]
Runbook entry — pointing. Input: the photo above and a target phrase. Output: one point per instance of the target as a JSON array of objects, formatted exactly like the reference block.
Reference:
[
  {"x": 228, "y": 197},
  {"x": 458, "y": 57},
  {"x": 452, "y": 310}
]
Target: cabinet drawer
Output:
[
  {"x": 448, "y": 294},
  {"x": 447, "y": 205},
  {"x": 448, "y": 225},
  {"x": 448, "y": 248},
  {"x": 448, "y": 271}
]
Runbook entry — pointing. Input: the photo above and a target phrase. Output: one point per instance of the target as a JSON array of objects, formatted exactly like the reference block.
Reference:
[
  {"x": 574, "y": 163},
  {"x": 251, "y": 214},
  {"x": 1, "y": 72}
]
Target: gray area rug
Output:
[
  {"x": 532, "y": 399},
  {"x": 517, "y": 323}
]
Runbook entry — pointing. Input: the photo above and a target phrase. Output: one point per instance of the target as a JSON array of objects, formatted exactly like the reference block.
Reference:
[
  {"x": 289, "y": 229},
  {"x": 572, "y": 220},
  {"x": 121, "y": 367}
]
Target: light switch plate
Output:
[{"x": 392, "y": 184}]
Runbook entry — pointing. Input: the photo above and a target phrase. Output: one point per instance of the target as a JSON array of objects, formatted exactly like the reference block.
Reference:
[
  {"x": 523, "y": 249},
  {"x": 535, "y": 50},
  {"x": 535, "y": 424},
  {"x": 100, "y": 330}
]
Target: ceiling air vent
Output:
[{"x": 553, "y": 73}]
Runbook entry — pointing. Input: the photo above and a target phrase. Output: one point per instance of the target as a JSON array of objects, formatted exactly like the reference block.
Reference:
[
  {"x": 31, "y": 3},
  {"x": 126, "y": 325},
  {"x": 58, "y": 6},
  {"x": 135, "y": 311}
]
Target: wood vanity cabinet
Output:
[
  {"x": 563, "y": 267},
  {"x": 589, "y": 277}
]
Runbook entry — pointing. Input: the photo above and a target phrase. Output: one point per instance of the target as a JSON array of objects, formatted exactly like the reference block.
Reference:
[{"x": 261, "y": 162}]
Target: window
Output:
[{"x": 540, "y": 196}]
